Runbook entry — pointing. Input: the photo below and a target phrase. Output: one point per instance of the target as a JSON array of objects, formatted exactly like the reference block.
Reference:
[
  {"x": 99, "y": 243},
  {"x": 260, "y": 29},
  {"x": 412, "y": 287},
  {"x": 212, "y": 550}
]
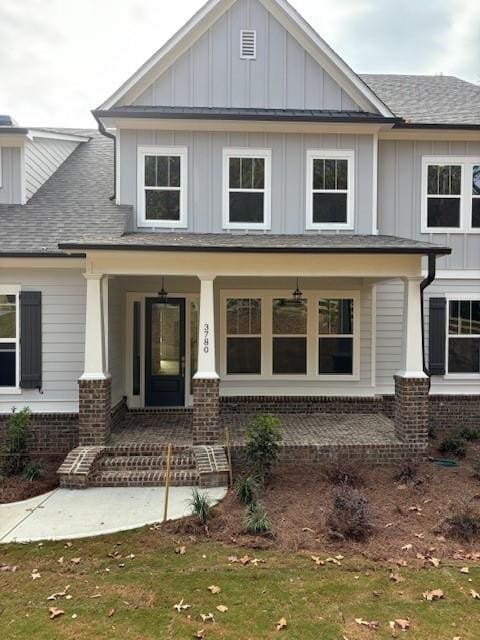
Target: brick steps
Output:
[
  {"x": 142, "y": 478},
  {"x": 144, "y": 462}
]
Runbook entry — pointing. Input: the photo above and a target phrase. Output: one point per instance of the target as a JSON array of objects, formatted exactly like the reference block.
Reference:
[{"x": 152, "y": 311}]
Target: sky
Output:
[{"x": 61, "y": 58}]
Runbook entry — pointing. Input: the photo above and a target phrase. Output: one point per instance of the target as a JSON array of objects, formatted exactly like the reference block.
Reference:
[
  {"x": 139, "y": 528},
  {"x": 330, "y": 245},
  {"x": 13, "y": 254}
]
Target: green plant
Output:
[
  {"x": 470, "y": 433},
  {"x": 201, "y": 506},
  {"x": 350, "y": 516},
  {"x": 256, "y": 520},
  {"x": 246, "y": 489},
  {"x": 33, "y": 471},
  {"x": 14, "y": 456},
  {"x": 454, "y": 445},
  {"x": 262, "y": 444}
]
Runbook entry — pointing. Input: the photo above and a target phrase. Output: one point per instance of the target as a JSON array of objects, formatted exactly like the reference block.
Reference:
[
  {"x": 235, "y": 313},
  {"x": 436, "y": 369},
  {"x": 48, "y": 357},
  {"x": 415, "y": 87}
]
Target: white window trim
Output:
[
  {"x": 473, "y": 295},
  {"x": 182, "y": 152},
  {"x": 312, "y": 297},
  {"x": 13, "y": 290},
  {"x": 331, "y": 154},
  {"x": 466, "y": 196},
  {"x": 244, "y": 152},
  {"x": 1, "y": 167}
]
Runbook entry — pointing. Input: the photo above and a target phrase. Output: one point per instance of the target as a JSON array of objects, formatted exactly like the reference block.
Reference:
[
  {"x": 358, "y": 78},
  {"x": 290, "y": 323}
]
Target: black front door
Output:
[{"x": 165, "y": 353}]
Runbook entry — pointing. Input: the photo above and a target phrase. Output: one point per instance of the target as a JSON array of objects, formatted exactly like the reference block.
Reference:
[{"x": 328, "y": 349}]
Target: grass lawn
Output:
[{"x": 318, "y": 602}]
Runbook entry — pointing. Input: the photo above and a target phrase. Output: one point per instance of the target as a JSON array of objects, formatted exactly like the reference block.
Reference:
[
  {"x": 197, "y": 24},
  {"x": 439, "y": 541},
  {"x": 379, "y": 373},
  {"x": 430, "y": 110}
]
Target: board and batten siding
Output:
[
  {"x": 211, "y": 72},
  {"x": 400, "y": 197},
  {"x": 63, "y": 338},
  {"x": 42, "y": 159},
  {"x": 11, "y": 182},
  {"x": 289, "y": 173}
]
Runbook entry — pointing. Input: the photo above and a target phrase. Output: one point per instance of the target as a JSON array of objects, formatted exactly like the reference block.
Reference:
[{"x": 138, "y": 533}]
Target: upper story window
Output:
[
  {"x": 162, "y": 187},
  {"x": 247, "y": 188},
  {"x": 451, "y": 194},
  {"x": 464, "y": 336},
  {"x": 330, "y": 189},
  {"x": 9, "y": 338}
]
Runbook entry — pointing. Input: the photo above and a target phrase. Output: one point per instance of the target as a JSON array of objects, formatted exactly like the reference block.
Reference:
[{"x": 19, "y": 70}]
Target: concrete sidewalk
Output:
[{"x": 67, "y": 514}]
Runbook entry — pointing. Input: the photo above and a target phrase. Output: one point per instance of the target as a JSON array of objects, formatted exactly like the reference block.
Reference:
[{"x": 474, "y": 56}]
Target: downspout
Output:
[
  {"x": 432, "y": 265},
  {"x": 107, "y": 134}
]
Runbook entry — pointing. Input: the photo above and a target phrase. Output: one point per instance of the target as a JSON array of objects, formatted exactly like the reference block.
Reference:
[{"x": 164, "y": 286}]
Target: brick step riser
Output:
[
  {"x": 139, "y": 479},
  {"x": 146, "y": 450},
  {"x": 146, "y": 462}
]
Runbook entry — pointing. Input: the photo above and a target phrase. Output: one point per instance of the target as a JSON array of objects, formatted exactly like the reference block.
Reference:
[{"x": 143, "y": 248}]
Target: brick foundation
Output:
[
  {"x": 206, "y": 411},
  {"x": 411, "y": 409},
  {"x": 450, "y": 411},
  {"x": 300, "y": 404},
  {"x": 95, "y": 417},
  {"x": 48, "y": 433}
]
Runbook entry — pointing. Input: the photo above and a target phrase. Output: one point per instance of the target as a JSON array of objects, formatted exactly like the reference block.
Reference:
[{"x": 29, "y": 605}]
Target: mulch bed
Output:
[
  {"x": 16, "y": 488},
  {"x": 298, "y": 500}
]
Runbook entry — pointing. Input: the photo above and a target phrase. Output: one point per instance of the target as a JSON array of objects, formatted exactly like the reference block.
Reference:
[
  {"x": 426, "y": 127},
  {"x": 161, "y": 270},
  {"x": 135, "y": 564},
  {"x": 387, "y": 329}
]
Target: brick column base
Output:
[
  {"x": 411, "y": 409},
  {"x": 206, "y": 411},
  {"x": 95, "y": 411}
]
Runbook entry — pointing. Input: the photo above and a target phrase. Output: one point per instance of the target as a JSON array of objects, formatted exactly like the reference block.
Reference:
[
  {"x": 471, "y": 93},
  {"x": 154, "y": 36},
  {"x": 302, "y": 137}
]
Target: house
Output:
[{"x": 254, "y": 227}]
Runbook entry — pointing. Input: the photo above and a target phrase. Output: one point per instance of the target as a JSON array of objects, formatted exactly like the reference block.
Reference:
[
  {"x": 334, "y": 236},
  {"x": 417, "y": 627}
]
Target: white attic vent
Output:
[{"x": 248, "y": 44}]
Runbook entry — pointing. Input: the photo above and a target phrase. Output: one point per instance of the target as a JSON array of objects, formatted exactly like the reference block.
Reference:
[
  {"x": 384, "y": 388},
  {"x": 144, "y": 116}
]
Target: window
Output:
[
  {"x": 246, "y": 189},
  {"x": 335, "y": 336},
  {"x": 244, "y": 330},
  {"x": 289, "y": 336},
  {"x": 330, "y": 188},
  {"x": 451, "y": 188},
  {"x": 464, "y": 336},
  {"x": 9, "y": 339},
  {"x": 248, "y": 44},
  {"x": 162, "y": 186}
]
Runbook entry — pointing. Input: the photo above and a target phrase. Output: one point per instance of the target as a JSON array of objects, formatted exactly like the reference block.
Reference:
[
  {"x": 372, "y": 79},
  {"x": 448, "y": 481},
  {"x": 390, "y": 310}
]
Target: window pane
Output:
[
  {"x": 247, "y": 173},
  {"x": 342, "y": 174},
  {"x": 335, "y": 356},
  {"x": 444, "y": 180},
  {"x": 194, "y": 329},
  {"x": 259, "y": 173},
  {"x": 162, "y": 205},
  {"x": 244, "y": 355},
  {"x": 166, "y": 340},
  {"x": 8, "y": 319},
  {"x": 246, "y": 207},
  {"x": 150, "y": 171},
  {"x": 289, "y": 317},
  {"x": 444, "y": 212},
  {"x": 464, "y": 355},
  {"x": 136, "y": 350},
  {"x": 476, "y": 180},
  {"x": 330, "y": 174},
  {"x": 432, "y": 180},
  {"x": 234, "y": 173},
  {"x": 319, "y": 174},
  {"x": 8, "y": 372},
  {"x": 162, "y": 171},
  {"x": 476, "y": 213},
  {"x": 476, "y": 317},
  {"x": 335, "y": 316},
  {"x": 329, "y": 207},
  {"x": 289, "y": 355},
  {"x": 174, "y": 171},
  {"x": 453, "y": 317},
  {"x": 244, "y": 316},
  {"x": 465, "y": 321}
]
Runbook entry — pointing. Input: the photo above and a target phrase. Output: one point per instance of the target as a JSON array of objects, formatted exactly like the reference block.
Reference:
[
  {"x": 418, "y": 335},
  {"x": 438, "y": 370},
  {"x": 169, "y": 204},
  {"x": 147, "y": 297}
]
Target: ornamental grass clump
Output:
[
  {"x": 256, "y": 520},
  {"x": 246, "y": 489},
  {"x": 201, "y": 506}
]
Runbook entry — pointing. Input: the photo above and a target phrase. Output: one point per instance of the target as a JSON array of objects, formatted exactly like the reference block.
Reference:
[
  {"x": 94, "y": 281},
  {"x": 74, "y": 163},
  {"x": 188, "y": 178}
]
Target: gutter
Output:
[
  {"x": 432, "y": 267},
  {"x": 107, "y": 134}
]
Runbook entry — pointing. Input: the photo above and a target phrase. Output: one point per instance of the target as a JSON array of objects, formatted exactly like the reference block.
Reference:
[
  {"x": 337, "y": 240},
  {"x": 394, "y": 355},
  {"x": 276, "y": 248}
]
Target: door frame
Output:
[{"x": 138, "y": 401}]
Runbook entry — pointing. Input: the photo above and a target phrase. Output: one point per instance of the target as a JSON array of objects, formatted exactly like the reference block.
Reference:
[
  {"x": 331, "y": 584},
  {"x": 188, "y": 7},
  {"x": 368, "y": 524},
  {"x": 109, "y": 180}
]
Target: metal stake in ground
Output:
[{"x": 167, "y": 481}]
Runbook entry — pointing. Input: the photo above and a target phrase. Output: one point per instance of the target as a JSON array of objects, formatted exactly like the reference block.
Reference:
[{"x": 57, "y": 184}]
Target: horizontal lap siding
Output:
[
  {"x": 42, "y": 159},
  {"x": 63, "y": 337}
]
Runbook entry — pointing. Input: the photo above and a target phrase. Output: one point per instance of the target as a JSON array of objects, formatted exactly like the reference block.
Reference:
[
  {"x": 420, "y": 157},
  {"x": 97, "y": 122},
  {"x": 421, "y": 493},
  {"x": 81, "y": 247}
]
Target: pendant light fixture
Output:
[
  {"x": 297, "y": 294},
  {"x": 163, "y": 295}
]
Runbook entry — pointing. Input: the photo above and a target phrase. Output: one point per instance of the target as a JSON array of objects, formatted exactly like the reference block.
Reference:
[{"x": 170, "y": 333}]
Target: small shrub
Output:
[
  {"x": 464, "y": 525},
  {"x": 471, "y": 434},
  {"x": 262, "y": 444},
  {"x": 201, "y": 506},
  {"x": 341, "y": 472},
  {"x": 454, "y": 445},
  {"x": 256, "y": 519},
  {"x": 350, "y": 518},
  {"x": 14, "y": 457},
  {"x": 246, "y": 489},
  {"x": 33, "y": 471},
  {"x": 407, "y": 473}
]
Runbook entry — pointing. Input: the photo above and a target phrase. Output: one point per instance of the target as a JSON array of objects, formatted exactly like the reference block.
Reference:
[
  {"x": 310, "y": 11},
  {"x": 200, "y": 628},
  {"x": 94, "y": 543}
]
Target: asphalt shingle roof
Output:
[{"x": 428, "y": 99}]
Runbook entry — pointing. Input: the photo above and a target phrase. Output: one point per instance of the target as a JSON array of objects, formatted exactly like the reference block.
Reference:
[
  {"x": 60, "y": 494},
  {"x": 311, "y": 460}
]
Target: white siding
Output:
[
  {"x": 42, "y": 159},
  {"x": 11, "y": 183},
  {"x": 116, "y": 339}
]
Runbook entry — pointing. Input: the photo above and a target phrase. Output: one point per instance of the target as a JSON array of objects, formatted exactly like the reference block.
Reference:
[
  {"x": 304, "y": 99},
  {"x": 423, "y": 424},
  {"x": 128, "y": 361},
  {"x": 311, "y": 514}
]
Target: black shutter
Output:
[
  {"x": 31, "y": 340},
  {"x": 437, "y": 335}
]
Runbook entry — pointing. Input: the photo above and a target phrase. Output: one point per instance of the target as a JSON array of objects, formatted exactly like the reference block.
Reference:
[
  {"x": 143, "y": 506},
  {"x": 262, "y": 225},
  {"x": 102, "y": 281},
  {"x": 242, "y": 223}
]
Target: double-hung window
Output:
[
  {"x": 289, "y": 336},
  {"x": 451, "y": 194},
  {"x": 335, "y": 336},
  {"x": 162, "y": 187},
  {"x": 244, "y": 336},
  {"x": 464, "y": 336},
  {"x": 9, "y": 338},
  {"x": 330, "y": 189},
  {"x": 247, "y": 188}
]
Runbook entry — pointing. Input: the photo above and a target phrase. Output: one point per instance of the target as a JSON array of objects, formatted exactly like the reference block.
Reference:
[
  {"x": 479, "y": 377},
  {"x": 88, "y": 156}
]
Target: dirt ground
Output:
[
  {"x": 16, "y": 488},
  {"x": 298, "y": 500}
]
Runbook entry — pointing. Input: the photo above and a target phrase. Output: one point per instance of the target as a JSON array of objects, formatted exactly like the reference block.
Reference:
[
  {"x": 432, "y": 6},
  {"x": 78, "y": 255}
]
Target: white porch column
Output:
[
  {"x": 94, "y": 368},
  {"x": 206, "y": 339},
  {"x": 412, "y": 354}
]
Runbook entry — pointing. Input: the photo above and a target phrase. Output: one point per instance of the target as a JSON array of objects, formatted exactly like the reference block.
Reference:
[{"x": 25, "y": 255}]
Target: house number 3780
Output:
[{"x": 206, "y": 338}]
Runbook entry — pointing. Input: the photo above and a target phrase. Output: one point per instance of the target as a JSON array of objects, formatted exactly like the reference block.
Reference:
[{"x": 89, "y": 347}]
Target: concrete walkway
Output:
[{"x": 66, "y": 514}]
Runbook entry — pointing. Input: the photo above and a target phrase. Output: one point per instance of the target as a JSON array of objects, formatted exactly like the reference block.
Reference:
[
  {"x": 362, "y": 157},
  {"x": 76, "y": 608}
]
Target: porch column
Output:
[
  {"x": 412, "y": 385},
  {"x": 206, "y": 382},
  {"x": 95, "y": 383}
]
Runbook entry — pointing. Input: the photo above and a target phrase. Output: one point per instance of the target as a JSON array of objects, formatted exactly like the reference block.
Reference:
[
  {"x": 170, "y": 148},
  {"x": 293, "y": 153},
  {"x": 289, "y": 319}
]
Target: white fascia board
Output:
[{"x": 51, "y": 135}]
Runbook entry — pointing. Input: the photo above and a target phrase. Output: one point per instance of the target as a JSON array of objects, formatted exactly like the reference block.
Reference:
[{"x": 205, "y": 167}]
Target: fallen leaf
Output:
[
  {"x": 181, "y": 607},
  {"x": 201, "y": 633},
  {"x": 403, "y": 624},
  {"x": 74, "y": 616},
  {"x": 334, "y": 561},
  {"x": 407, "y": 547},
  {"x": 222, "y": 608},
  {"x": 318, "y": 561},
  {"x": 36, "y": 575},
  {"x": 75, "y": 560},
  {"x": 55, "y": 613},
  {"x": 233, "y": 559},
  {"x": 208, "y": 617},
  {"x": 388, "y": 525},
  {"x": 181, "y": 551},
  {"x": 420, "y": 536},
  {"x": 373, "y": 624},
  {"x": 281, "y": 624},
  {"x": 60, "y": 594},
  {"x": 435, "y": 562},
  {"x": 396, "y": 577},
  {"x": 111, "y": 613},
  {"x": 67, "y": 545},
  {"x": 436, "y": 594},
  {"x": 257, "y": 561},
  {"x": 214, "y": 589},
  {"x": 464, "y": 570},
  {"x": 474, "y": 594},
  {"x": 245, "y": 560},
  {"x": 305, "y": 529},
  {"x": 7, "y": 568}
]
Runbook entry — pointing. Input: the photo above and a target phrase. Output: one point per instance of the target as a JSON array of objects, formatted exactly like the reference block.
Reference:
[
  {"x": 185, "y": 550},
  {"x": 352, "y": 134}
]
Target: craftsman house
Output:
[{"x": 253, "y": 227}]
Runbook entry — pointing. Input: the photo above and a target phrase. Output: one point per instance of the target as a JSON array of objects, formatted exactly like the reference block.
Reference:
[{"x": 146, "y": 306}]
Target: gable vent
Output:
[{"x": 248, "y": 44}]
